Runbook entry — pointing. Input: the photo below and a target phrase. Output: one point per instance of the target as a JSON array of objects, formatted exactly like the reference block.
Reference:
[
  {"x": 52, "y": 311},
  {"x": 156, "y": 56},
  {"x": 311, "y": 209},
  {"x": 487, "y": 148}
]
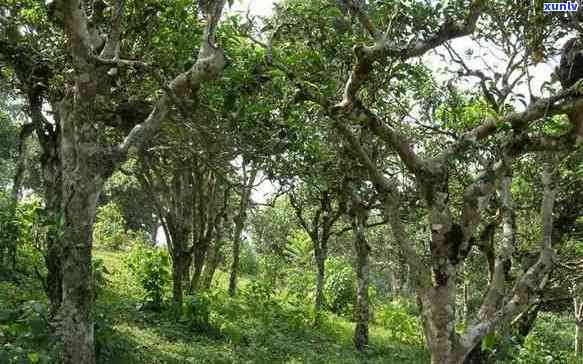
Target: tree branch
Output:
[
  {"x": 367, "y": 55},
  {"x": 111, "y": 49},
  {"x": 210, "y": 62}
]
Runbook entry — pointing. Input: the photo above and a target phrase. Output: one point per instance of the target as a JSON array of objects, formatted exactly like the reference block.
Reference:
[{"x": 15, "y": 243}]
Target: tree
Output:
[
  {"x": 452, "y": 237},
  {"x": 317, "y": 215},
  {"x": 86, "y": 159},
  {"x": 247, "y": 182},
  {"x": 359, "y": 214}
]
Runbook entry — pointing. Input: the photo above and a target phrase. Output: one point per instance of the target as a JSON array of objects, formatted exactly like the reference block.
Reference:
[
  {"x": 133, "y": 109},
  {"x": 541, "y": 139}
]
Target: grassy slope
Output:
[{"x": 138, "y": 337}]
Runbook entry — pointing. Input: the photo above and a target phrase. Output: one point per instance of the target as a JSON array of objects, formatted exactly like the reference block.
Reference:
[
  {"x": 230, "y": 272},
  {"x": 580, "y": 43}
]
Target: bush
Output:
[
  {"x": 109, "y": 230},
  {"x": 248, "y": 260},
  {"x": 550, "y": 341},
  {"x": 196, "y": 312},
  {"x": 340, "y": 289},
  {"x": 150, "y": 266},
  {"x": 99, "y": 276},
  {"x": 24, "y": 334},
  {"x": 24, "y": 228},
  {"x": 404, "y": 326}
]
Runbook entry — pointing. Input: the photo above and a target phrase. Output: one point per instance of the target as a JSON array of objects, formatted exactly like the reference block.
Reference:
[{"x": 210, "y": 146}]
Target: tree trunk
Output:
[
  {"x": 81, "y": 190},
  {"x": 236, "y": 254},
  {"x": 320, "y": 257},
  {"x": 52, "y": 257},
  {"x": 239, "y": 225},
  {"x": 438, "y": 315},
  {"x": 525, "y": 323},
  {"x": 180, "y": 264},
  {"x": 578, "y": 306},
  {"x": 476, "y": 356},
  {"x": 54, "y": 275},
  {"x": 362, "y": 276},
  {"x": 213, "y": 259},
  {"x": 210, "y": 269},
  {"x": 85, "y": 164},
  {"x": 200, "y": 252}
]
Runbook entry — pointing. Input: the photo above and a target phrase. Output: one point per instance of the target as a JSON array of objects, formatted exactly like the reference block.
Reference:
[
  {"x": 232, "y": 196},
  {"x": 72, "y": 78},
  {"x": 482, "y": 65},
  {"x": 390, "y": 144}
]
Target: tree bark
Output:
[
  {"x": 525, "y": 323},
  {"x": 214, "y": 257},
  {"x": 476, "y": 356},
  {"x": 248, "y": 182},
  {"x": 52, "y": 257},
  {"x": 320, "y": 255},
  {"x": 362, "y": 277},
  {"x": 180, "y": 264},
  {"x": 200, "y": 253},
  {"x": 236, "y": 255},
  {"x": 211, "y": 267},
  {"x": 76, "y": 308},
  {"x": 52, "y": 180}
]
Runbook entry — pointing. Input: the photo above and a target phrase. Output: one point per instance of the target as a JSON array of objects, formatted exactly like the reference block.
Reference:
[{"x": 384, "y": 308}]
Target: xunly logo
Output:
[{"x": 568, "y": 6}]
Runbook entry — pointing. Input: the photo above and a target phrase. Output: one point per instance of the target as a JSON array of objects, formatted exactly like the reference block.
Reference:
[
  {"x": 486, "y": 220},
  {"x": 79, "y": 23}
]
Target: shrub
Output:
[
  {"x": 99, "y": 276},
  {"x": 248, "y": 260},
  {"x": 109, "y": 230},
  {"x": 196, "y": 312},
  {"x": 260, "y": 295},
  {"x": 340, "y": 289},
  {"x": 403, "y": 326},
  {"x": 550, "y": 341},
  {"x": 150, "y": 266},
  {"x": 25, "y": 335}
]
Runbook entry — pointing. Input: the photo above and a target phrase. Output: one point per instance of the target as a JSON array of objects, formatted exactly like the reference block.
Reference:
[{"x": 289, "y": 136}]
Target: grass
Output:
[
  {"x": 245, "y": 333},
  {"x": 245, "y": 329}
]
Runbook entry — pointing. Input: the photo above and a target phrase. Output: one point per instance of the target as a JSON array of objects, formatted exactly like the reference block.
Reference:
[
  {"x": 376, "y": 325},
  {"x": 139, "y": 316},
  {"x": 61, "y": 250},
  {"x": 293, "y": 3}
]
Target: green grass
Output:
[
  {"x": 245, "y": 329},
  {"x": 243, "y": 335}
]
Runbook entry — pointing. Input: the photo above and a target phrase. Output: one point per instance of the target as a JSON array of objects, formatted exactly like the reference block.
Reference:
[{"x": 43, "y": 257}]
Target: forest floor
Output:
[
  {"x": 254, "y": 327},
  {"x": 246, "y": 335}
]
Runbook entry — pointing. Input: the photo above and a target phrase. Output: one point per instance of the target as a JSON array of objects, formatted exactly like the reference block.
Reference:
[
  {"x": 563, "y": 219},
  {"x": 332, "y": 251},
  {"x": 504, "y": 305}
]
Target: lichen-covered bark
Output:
[{"x": 82, "y": 180}]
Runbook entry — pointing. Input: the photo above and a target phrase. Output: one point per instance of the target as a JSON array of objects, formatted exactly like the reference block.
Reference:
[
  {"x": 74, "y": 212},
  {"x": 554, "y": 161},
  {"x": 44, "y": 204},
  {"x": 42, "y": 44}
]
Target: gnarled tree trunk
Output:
[{"x": 85, "y": 165}]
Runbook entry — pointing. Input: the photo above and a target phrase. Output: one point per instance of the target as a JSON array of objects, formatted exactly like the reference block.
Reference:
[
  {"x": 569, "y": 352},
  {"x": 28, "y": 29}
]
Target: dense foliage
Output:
[{"x": 340, "y": 181}]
